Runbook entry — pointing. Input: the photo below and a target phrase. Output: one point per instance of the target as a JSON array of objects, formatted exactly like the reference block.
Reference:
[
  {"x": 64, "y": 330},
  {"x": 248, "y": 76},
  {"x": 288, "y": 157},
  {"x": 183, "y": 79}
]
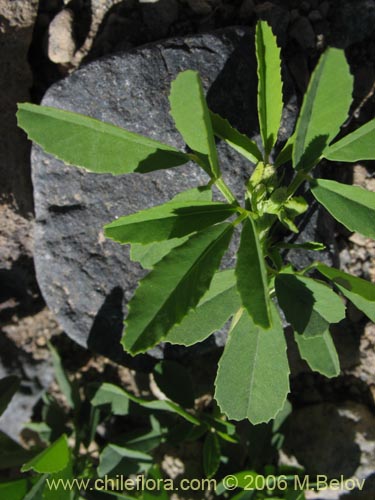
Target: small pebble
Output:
[
  {"x": 41, "y": 341},
  {"x": 61, "y": 44}
]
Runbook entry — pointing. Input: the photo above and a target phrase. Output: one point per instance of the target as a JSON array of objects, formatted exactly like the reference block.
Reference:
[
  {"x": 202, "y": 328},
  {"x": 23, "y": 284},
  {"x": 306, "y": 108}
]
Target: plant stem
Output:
[
  {"x": 240, "y": 218},
  {"x": 225, "y": 191},
  {"x": 308, "y": 268}
]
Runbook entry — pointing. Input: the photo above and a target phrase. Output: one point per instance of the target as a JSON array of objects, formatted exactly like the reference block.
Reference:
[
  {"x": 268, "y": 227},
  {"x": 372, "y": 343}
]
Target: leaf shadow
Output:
[
  {"x": 288, "y": 288},
  {"x": 322, "y": 438},
  {"x": 313, "y": 152},
  {"x": 161, "y": 160},
  {"x": 233, "y": 93},
  {"x": 106, "y": 332}
]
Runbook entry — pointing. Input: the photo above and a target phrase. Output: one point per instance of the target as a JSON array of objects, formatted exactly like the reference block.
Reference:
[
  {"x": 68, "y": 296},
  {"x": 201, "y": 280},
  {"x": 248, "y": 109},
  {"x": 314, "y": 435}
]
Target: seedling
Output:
[{"x": 186, "y": 297}]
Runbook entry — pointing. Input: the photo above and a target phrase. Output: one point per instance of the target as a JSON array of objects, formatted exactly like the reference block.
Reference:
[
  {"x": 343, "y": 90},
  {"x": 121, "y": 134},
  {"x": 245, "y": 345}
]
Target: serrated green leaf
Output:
[
  {"x": 325, "y": 108},
  {"x": 121, "y": 459},
  {"x": 253, "y": 375},
  {"x": 173, "y": 287},
  {"x": 211, "y": 454},
  {"x": 270, "y": 86},
  {"x": 62, "y": 476},
  {"x": 359, "y": 145},
  {"x": 149, "y": 255},
  {"x": 192, "y": 118},
  {"x": 309, "y": 305},
  {"x": 320, "y": 353},
  {"x": 94, "y": 145},
  {"x": 167, "y": 221},
  {"x": 53, "y": 459},
  {"x": 217, "y": 305},
  {"x": 353, "y": 206},
  {"x": 239, "y": 142},
  {"x": 357, "y": 290},
  {"x": 252, "y": 276},
  {"x": 8, "y": 387},
  {"x": 200, "y": 193}
]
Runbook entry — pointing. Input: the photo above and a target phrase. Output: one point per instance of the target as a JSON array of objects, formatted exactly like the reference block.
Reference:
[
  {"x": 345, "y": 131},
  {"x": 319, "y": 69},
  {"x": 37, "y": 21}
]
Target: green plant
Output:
[
  {"x": 185, "y": 297},
  {"x": 70, "y": 450}
]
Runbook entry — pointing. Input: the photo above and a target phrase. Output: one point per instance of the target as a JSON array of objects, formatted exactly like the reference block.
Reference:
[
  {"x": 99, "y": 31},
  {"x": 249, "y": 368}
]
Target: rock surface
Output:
[
  {"x": 16, "y": 28},
  {"x": 334, "y": 440},
  {"x": 86, "y": 279}
]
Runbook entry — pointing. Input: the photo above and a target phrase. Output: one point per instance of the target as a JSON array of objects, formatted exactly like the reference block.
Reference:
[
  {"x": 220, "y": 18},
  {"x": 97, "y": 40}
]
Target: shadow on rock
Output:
[
  {"x": 324, "y": 438},
  {"x": 106, "y": 332}
]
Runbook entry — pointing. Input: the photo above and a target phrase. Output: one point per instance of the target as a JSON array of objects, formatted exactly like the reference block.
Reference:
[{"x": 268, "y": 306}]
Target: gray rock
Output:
[
  {"x": 200, "y": 7},
  {"x": 17, "y": 22},
  {"x": 159, "y": 16},
  {"x": 334, "y": 440},
  {"x": 35, "y": 376},
  {"x": 353, "y": 22},
  {"x": 88, "y": 280},
  {"x": 246, "y": 9},
  {"x": 303, "y": 33}
]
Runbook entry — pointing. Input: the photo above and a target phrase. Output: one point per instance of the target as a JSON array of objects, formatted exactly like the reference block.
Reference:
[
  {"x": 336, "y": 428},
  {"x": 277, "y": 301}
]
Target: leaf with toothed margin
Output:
[
  {"x": 253, "y": 376},
  {"x": 239, "y": 142},
  {"x": 359, "y": 145},
  {"x": 309, "y": 305},
  {"x": 320, "y": 353},
  {"x": 192, "y": 118},
  {"x": 359, "y": 291},
  {"x": 252, "y": 276},
  {"x": 353, "y": 206},
  {"x": 216, "y": 306},
  {"x": 324, "y": 109},
  {"x": 94, "y": 145},
  {"x": 53, "y": 459},
  {"x": 173, "y": 287},
  {"x": 270, "y": 85},
  {"x": 148, "y": 255},
  {"x": 168, "y": 221}
]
